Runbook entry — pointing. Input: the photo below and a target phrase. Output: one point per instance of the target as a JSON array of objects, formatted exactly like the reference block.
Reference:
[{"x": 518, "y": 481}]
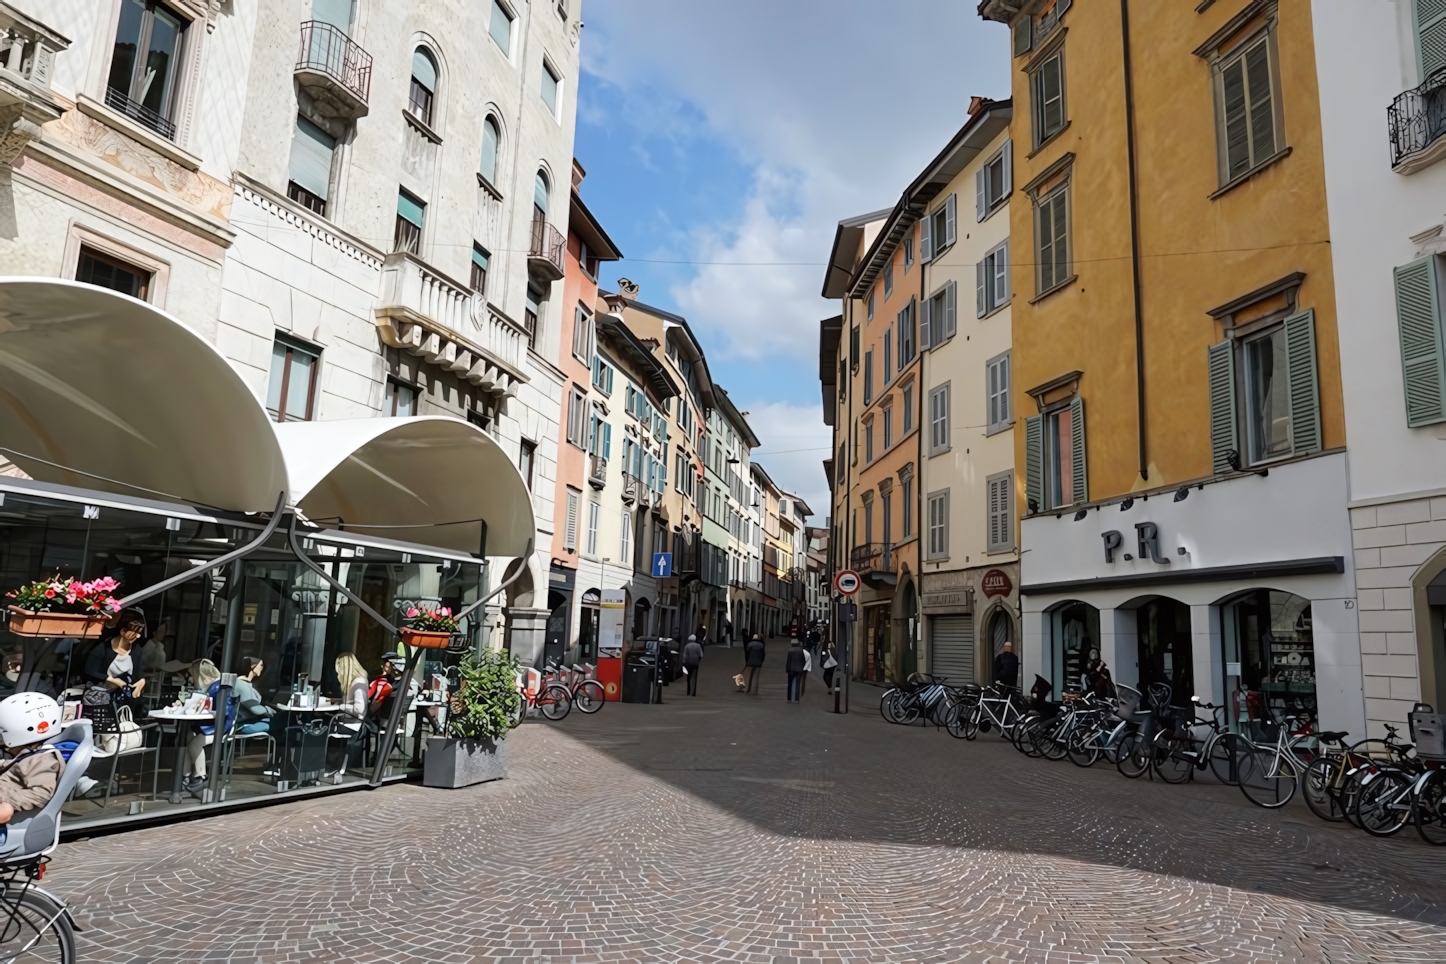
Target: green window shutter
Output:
[
  {"x": 1034, "y": 461},
  {"x": 1431, "y": 35},
  {"x": 1304, "y": 386},
  {"x": 1423, "y": 361},
  {"x": 1023, "y": 36},
  {"x": 1077, "y": 450},
  {"x": 1222, "y": 405}
]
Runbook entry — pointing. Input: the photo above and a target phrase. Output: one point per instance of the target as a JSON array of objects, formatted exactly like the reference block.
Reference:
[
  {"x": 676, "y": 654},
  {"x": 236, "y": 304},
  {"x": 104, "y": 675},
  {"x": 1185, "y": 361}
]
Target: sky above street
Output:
[{"x": 724, "y": 142}]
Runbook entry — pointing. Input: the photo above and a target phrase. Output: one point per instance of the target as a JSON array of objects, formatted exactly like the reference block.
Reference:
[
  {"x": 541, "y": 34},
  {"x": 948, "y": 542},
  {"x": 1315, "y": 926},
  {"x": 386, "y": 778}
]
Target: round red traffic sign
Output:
[{"x": 847, "y": 582}]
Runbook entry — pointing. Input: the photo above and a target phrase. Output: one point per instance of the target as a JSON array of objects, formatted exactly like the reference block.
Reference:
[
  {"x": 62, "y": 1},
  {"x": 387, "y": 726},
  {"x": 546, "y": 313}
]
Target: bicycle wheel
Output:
[
  {"x": 1319, "y": 787},
  {"x": 517, "y": 712},
  {"x": 35, "y": 929},
  {"x": 1055, "y": 736},
  {"x": 1384, "y": 804},
  {"x": 556, "y": 702},
  {"x": 589, "y": 696},
  {"x": 1225, "y": 758},
  {"x": 1084, "y": 746},
  {"x": 958, "y": 719},
  {"x": 1267, "y": 778},
  {"x": 1428, "y": 810},
  {"x": 940, "y": 712},
  {"x": 1175, "y": 758},
  {"x": 888, "y": 705},
  {"x": 1134, "y": 755}
]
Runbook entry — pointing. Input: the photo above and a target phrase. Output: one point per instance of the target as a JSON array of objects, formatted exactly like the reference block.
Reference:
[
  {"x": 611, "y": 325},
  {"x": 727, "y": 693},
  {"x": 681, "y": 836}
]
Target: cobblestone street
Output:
[{"x": 733, "y": 827}]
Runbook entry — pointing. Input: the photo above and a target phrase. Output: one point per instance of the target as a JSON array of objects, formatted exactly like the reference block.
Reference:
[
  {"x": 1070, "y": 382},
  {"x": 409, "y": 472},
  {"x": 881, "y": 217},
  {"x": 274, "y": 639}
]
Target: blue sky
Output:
[{"x": 715, "y": 134}]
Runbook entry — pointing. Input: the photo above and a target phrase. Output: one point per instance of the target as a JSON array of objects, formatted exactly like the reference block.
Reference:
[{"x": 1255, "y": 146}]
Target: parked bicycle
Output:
[
  {"x": 997, "y": 706},
  {"x": 551, "y": 699},
  {"x": 586, "y": 692},
  {"x": 920, "y": 697}
]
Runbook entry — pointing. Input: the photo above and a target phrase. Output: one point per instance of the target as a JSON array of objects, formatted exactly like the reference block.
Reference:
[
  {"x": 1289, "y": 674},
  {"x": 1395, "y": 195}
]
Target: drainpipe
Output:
[
  {"x": 1134, "y": 236},
  {"x": 919, "y": 445}
]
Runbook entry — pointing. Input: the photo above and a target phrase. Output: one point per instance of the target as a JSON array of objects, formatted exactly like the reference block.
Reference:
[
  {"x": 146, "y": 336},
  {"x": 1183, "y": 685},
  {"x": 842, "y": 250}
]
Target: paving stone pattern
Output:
[{"x": 740, "y": 828}]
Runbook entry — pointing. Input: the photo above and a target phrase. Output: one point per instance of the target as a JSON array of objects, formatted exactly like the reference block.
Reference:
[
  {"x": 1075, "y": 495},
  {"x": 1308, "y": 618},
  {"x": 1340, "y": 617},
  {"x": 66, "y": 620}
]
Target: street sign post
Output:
[
  {"x": 847, "y": 582},
  {"x": 662, "y": 564},
  {"x": 848, "y": 612}
]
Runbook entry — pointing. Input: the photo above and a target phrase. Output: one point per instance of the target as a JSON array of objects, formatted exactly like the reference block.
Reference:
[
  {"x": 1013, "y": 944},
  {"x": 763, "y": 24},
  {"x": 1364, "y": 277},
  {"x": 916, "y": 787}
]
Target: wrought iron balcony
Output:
[
  {"x": 334, "y": 70},
  {"x": 597, "y": 471},
  {"x": 117, "y": 101},
  {"x": 545, "y": 253},
  {"x": 1417, "y": 121}
]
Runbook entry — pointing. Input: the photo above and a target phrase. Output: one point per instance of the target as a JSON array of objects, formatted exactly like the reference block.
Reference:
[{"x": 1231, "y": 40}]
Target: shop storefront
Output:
[
  {"x": 275, "y": 552},
  {"x": 1240, "y": 591},
  {"x": 970, "y": 614}
]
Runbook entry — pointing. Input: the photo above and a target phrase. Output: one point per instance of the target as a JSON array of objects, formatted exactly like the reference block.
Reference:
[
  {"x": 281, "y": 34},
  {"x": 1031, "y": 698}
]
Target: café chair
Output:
[
  {"x": 228, "y": 750},
  {"x": 103, "y": 724},
  {"x": 342, "y": 729}
]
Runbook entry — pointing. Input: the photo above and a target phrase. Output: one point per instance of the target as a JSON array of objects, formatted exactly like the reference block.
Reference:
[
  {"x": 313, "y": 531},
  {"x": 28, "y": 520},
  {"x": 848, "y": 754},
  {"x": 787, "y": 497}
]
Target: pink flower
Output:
[
  {"x": 50, "y": 593},
  {"x": 413, "y": 613}
]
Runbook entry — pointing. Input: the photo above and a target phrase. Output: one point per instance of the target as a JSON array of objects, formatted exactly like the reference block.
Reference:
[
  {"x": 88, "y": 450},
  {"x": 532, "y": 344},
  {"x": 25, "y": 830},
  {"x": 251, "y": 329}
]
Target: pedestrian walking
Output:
[
  {"x": 794, "y": 664},
  {"x": 1006, "y": 666},
  {"x": 807, "y": 668},
  {"x": 829, "y": 662},
  {"x": 753, "y": 659},
  {"x": 692, "y": 656}
]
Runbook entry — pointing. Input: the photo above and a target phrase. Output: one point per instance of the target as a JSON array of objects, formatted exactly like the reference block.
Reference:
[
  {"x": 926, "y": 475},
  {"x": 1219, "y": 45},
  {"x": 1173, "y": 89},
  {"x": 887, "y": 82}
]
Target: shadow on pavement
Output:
[{"x": 803, "y": 771}]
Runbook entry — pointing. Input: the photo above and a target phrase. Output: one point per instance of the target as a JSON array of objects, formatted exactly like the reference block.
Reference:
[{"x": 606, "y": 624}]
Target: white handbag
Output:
[{"x": 129, "y": 737}]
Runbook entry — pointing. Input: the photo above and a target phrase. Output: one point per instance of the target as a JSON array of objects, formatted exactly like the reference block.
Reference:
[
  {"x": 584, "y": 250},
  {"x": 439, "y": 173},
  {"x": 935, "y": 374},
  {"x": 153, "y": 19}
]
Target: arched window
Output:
[
  {"x": 424, "y": 86},
  {"x": 491, "y": 142},
  {"x": 540, "y": 191}
]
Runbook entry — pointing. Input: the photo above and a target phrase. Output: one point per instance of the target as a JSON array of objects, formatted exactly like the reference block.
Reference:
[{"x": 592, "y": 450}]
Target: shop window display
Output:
[
  {"x": 1269, "y": 657},
  {"x": 1165, "y": 654},
  {"x": 1074, "y": 641}
]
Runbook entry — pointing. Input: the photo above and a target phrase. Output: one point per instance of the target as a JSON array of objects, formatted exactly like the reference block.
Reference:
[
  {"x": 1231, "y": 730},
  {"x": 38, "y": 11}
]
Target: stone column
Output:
[
  {"x": 1207, "y": 655},
  {"x": 527, "y": 633},
  {"x": 1120, "y": 645}
]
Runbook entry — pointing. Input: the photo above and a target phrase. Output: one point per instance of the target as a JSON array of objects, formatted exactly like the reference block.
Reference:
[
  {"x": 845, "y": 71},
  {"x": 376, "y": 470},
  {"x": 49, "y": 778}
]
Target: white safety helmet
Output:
[{"x": 27, "y": 718}]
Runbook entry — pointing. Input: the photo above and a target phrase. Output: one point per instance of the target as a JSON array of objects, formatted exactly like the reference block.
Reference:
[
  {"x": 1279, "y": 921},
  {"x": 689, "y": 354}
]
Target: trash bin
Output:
[{"x": 638, "y": 678}]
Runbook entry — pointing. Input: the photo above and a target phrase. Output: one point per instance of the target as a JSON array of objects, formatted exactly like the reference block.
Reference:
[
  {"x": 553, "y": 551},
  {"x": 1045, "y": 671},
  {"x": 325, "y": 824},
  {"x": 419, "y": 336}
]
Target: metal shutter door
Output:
[{"x": 953, "y": 648}]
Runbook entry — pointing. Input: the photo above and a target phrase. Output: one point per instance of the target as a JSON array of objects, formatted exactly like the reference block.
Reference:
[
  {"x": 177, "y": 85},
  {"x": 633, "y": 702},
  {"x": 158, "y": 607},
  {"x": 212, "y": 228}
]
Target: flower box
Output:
[
  {"x": 425, "y": 640},
  {"x": 23, "y": 622}
]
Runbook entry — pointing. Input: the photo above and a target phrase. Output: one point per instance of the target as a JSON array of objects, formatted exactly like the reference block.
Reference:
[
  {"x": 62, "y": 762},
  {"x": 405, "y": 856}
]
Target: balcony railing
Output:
[
  {"x": 874, "y": 557},
  {"x": 545, "y": 253},
  {"x": 333, "y": 69},
  {"x": 597, "y": 471},
  {"x": 117, "y": 101},
  {"x": 1416, "y": 120}
]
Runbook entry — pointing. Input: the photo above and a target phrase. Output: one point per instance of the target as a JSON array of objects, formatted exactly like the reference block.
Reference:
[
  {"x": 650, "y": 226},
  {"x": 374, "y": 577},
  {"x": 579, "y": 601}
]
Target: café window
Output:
[
  {"x": 1269, "y": 651},
  {"x": 103, "y": 271},
  {"x": 145, "y": 64},
  {"x": 291, "y": 392}
]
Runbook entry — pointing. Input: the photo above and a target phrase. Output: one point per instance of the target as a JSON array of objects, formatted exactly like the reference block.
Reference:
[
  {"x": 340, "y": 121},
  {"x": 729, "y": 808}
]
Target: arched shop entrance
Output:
[
  {"x": 909, "y": 627},
  {"x": 1269, "y": 651},
  {"x": 641, "y": 609},
  {"x": 587, "y": 624},
  {"x": 1074, "y": 634},
  {"x": 1163, "y": 625}
]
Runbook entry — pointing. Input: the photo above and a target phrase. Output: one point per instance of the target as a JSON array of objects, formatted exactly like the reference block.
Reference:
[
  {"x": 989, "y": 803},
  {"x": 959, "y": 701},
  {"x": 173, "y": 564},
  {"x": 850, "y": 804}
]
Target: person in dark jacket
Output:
[
  {"x": 753, "y": 659},
  {"x": 1006, "y": 666},
  {"x": 692, "y": 656},
  {"x": 795, "y": 664}
]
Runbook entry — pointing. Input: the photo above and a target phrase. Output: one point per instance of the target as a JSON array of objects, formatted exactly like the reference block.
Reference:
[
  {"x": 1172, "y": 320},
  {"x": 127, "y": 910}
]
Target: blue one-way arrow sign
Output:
[{"x": 662, "y": 564}]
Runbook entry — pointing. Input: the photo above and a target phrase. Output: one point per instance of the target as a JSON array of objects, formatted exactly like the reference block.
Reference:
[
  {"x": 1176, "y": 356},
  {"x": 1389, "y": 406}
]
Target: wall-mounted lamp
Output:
[
  {"x": 1033, "y": 506},
  {"x": 1182, "y": 494},
  {"x": 1081, "y": 514},
  {"x": 1127, "y": 504}
]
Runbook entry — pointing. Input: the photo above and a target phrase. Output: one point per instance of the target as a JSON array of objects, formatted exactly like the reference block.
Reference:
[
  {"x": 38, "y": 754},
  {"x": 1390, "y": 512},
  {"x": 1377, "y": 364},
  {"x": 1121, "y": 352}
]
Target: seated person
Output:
[
  {"x": 383, "y": 687},
  {"x": 205, "y": 735},
  {"x": 112, "y": 665},
  {"x": 31, "y": 771},
  {"x": 355, "y": 689},
  {"x": 254, "y": 715}
]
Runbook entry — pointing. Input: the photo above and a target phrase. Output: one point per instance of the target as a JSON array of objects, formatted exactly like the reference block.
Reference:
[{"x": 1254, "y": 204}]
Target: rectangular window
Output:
[
  {"x": 480, "y": 260},
  {"x": 991, "y": 281},
  {"x": 868, "y": 523},
  {"x": 577, "y": 418},
  {"x": 886, "y": 509},
  {"x": 145, "y": 65},
  {"x": 291, "y": 392},
  {"x": 1046, "y": 96},
  {"x": 582, "y": 335},
  {"x": 531, "y": 311},
  {"x": 906, "y": 507},
  {"x": 996, "y": 381},
  {"x": 1000, "y": 498},
  {"x": 569, "y": 529},
  {"x": 482, "y": 419},
  {"x": 940, "y": 320},
  {"x": 868, "y": 376},
  {"x": 1051, "y": 235},
  {"x": 909, "y": 252},
  {"x": 854, "y": 347},
  {"x": 594, "y": 514},
  {"x": 1267, "y": 396},
  {"x": 526, "y": 459},
  {"x": 871, "y": 306},
  {"x": 939, "y": 420},
  {"x": 906, "y": 335},
  {"x": 1247, "y": 112},
  {"x": 411, "y": 213},
  {"x": 103, "y": 271},
  {"x": 888, "y": 355},
  {"x": 888, "y": 417},
  {"x": 936, "y": 231},
  {"x": 888, "y": 279},
  {"x": 625, "y": 547},
  {"x": 869, "y": 440},
  {"x": 550, "y": 83},
  {"x": 401, "y": 399},
  {"x": 938, "y": 524},
  {"x": 908, "y": 403},
  {"x": 501, "y": 27},
  {"x": 1057, "y": 434},
  {"x": 993, "y": 182},
  {"x": 602, "y": 375},
  {"x": 309, "y": 168}
]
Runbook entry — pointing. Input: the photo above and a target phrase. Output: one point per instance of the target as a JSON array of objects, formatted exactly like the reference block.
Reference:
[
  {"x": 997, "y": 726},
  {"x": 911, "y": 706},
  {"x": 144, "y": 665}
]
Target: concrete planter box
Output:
[{"x": 453, "y": 763}]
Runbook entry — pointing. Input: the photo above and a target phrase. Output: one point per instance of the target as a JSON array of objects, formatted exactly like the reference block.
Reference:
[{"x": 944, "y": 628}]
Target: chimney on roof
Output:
[
  {"x": 577, "y": 174},
  {"x": 626, "y": 294},
  {"x": 976, "y": 104}
]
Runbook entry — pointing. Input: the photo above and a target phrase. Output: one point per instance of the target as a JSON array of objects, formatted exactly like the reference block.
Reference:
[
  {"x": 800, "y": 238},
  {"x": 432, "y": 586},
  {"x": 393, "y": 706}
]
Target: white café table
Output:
[{"x": 177, "y": 714}]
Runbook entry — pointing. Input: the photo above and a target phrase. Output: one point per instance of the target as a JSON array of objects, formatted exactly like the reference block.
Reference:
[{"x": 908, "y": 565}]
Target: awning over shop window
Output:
[
  {"x": 101, "y": 391},
  {"x": 425, "y": 480}
]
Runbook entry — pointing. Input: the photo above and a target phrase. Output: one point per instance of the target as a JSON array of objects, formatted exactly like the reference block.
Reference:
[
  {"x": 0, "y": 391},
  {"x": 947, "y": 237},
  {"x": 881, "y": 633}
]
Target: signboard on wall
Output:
[
  {"x": 612, "y": 616},
  {"x": 996, "y": 583},
  {"x": 945, "y": 592}
]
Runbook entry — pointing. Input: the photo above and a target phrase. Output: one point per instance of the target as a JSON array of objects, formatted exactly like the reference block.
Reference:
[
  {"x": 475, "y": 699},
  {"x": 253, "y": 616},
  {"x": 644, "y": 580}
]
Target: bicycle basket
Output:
[{"x": 1427, "y": 734}]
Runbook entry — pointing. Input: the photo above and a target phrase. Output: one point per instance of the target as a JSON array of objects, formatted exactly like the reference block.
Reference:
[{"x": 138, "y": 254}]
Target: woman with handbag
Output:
[
  {"x": 829, "y": 663},
  {"x": 111, "y": 667}
]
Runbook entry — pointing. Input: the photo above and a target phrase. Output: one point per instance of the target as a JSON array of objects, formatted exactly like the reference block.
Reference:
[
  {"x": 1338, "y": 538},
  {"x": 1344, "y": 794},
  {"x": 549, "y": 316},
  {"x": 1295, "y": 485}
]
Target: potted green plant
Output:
[
  {"x": 482, "y": 710},
  {"x": 63, "y": 607},
  {"x": 429, "y": 628}
]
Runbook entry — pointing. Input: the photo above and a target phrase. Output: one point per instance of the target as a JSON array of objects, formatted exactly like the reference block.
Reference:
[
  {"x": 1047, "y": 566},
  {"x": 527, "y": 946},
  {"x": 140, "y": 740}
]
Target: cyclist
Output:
[{"x": 31, "y": 769}]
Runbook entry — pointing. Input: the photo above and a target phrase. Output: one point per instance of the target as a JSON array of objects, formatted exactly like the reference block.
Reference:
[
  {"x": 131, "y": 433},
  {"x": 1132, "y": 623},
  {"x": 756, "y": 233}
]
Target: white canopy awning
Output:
[
  {"x": 101, "y": 391},
  {"x": 425, "y": 480}
]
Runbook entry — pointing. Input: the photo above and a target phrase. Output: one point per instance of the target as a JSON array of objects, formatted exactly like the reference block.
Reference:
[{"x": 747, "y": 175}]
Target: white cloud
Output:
[
  {"x": 794, "y": 444},
  {"x": 836, "y": 103}
]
